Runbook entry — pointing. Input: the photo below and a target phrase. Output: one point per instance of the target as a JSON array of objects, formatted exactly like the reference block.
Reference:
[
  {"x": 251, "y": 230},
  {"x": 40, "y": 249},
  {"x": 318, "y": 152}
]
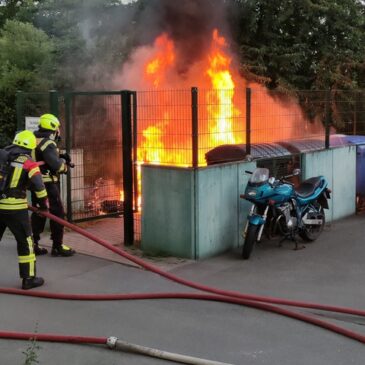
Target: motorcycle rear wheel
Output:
[
  {"x": 250, "y": 240},
  {"x": 311, "y": 232}
]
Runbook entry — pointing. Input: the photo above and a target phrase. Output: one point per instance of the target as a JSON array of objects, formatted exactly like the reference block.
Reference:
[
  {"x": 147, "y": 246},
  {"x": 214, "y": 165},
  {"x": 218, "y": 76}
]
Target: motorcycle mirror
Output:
[
  {"x": 296, "y": 172},
  {"x": 271, "y": 180}
]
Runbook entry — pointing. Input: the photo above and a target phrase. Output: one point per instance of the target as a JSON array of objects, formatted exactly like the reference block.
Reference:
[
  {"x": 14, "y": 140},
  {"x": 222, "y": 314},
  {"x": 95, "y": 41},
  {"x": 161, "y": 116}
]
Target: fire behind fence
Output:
[{"x": 180, "y": 128}]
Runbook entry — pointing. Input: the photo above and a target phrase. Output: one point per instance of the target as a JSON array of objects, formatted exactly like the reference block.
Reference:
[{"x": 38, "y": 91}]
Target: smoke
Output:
[
  {"x": 96, "y": 38},
  {"x": 189, "y": 24}
]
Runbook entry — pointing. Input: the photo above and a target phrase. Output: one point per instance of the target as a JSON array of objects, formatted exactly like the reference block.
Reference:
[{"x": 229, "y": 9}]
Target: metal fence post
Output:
[
  {"x": 195, "y": 127},
  {"x": 53, "y": 102},
  {"x": 248, "y": 121},
  {"x": 20, "y": 120},
  {"x": 327, "y": 120},
  {"x": 68, "y": 122},
  {"x": 134, "y": 146},
  {"x": 357, "y": 107},
  {"x": 127, "y": 167}
]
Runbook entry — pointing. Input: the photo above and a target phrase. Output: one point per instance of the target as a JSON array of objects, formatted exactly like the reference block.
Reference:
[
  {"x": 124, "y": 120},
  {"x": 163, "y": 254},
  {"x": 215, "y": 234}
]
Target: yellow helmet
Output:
[
  {"x": 49, "y": 121},
  {"x": 25, "y": 139}
]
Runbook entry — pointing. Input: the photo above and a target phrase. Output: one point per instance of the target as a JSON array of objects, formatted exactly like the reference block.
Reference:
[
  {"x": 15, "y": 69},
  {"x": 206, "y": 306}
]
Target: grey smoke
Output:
[{"x": 189, "y": 23}]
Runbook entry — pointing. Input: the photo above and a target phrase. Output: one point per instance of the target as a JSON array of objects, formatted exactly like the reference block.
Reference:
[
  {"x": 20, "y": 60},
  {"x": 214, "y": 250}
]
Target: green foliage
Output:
[
  {"x": 26, "y": 59},
  {"x": 291, "y": 45},
  {"x": 92, "y": 39},
  {"x": 288, "y": 45},
  {"x": 300, "y": 44},
  {"x": 25, "y": 48},
  {"x": 31, "y": 356}
]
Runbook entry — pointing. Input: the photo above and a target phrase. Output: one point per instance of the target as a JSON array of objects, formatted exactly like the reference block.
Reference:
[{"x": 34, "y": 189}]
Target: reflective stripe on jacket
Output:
[
  {"x": 24, "y": 172},
  {"x": 48, "y": 152}
]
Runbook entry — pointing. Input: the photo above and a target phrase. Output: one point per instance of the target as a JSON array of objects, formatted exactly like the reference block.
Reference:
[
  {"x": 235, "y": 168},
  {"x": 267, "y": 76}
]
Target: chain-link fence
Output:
[
  {"x": 180, "y": 127},
  {"x": 92, "y": 135},
  {"x": 184, "y": 128}
]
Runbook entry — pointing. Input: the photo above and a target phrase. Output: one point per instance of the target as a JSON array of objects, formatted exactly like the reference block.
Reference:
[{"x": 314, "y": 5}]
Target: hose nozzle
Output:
[{"x": 112, "y": 342}]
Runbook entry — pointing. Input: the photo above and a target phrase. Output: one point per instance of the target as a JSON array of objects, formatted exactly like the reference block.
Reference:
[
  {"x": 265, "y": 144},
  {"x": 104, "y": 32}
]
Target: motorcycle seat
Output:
[{"x": 307, "y": 187}]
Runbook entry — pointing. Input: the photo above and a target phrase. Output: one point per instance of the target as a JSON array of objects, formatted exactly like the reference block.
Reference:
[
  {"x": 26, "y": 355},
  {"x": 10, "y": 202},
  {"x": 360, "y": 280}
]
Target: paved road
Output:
[{"x": 329, "y": 271}]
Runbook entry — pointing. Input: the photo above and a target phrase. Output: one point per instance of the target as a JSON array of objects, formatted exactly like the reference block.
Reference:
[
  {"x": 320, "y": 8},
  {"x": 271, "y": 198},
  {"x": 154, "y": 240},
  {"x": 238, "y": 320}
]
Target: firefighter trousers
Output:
[
  {"x": 18, "y": 223},
  {"x": 55, "y": 208}
]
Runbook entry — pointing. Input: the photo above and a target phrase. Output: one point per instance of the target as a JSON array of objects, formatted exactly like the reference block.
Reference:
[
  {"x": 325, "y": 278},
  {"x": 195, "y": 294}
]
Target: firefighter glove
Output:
[
  {"x": 43, "y": 205},
  {"x": 66, "y": 157}
]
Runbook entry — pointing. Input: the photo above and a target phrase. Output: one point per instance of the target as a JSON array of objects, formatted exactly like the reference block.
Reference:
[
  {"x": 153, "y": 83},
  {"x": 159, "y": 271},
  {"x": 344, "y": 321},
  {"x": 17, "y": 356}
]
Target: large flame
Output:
[
  {"x": 221, "y": 110},
  {"x": 215, "y": 124},
  {"x": 164, "y": 58},
  {"x": 165, "y": 113}
]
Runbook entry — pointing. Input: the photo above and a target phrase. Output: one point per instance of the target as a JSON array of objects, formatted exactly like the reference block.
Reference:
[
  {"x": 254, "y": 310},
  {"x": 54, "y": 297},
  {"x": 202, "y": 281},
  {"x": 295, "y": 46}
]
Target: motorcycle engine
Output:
[{"x": 288, "y": 211}]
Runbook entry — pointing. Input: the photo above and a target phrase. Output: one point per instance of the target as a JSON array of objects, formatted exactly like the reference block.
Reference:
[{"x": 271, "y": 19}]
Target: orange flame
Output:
[
  {"x": 221, "y": 109},
  {"x": 221, "y": 117},
  {"x": 167, "y": 140},
  {"x": 164, "y": 58}
]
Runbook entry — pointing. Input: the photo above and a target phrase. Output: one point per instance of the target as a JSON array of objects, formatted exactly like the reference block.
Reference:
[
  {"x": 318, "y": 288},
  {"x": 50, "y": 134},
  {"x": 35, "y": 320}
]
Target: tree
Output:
[
  {"x": 26, "y": 59},
  {"x": 302, "y": 45},
  {"x": 92, "y": 38}
]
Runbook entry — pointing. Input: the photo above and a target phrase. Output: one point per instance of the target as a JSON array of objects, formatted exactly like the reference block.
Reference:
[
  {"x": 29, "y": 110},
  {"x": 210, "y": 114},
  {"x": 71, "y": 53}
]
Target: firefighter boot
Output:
[
  {"x": 62, "y": 250},
  {"x": 32, "y": 282},
  {"x": 39, "y": 251}
]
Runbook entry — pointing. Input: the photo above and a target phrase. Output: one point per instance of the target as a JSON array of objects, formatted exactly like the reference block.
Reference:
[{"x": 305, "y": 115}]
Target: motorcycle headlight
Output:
[{"x": 252, "y": 193}]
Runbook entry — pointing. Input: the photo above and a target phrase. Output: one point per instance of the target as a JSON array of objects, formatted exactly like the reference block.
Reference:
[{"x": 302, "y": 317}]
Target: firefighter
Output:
[
  {"x": 48, "y": 134},
  {"x": 22, "y": 172}
]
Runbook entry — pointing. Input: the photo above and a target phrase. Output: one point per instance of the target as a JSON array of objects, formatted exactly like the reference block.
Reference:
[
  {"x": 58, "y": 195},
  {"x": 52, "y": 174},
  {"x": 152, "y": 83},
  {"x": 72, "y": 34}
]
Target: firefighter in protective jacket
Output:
[
  {"x": 48, "y": 134},
  {"x": 23, "y": 172}
]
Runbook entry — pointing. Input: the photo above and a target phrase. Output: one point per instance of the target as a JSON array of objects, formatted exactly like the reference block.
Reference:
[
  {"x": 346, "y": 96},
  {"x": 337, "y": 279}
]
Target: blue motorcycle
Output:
[{"x": 279, "y": 207}]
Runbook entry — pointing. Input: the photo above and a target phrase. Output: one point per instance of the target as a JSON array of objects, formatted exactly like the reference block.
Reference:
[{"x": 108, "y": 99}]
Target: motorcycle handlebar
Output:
[{"x": 286, "y": 182}]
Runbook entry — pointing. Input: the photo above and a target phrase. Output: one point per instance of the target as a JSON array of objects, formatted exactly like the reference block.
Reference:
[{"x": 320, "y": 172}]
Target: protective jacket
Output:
[
  {"x": 24, "y": 174},
  {"x": 48, "y": 152}
]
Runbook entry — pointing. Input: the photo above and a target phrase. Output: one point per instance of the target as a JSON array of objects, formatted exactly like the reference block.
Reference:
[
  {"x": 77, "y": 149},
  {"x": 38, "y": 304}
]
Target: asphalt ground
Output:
[{"x": 328, "y": 271}]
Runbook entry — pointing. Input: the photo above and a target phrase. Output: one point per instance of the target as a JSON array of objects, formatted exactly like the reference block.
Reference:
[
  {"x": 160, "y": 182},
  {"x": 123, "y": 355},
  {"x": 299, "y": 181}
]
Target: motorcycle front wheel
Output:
[
  {"x": 310, "y": 232},
  {"x": 250, "y": 240}
]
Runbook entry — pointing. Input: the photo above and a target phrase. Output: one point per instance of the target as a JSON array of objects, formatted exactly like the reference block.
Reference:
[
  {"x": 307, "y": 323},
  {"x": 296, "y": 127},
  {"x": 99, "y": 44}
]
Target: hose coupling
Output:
[{"x": 112, "y": 342}]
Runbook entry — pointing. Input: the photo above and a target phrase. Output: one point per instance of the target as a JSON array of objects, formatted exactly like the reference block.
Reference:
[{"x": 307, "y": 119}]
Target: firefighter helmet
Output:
[
  {"x": 25, "y": 139},
  {"x": 49, "y": 122}
]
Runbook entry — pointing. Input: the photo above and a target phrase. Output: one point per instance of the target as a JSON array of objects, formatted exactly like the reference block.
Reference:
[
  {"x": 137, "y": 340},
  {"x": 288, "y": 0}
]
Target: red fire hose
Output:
[
  {"x": 51, "y": 337},
  {"x": 191, "y": 284},
  {"x": 196, "y": 296},
  {"x": 253, "y": 301}
]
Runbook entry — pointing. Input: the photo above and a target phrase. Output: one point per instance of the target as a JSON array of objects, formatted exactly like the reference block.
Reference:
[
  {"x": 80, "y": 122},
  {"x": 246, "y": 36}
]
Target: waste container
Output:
[
  {"x": 360, "y": 171},
  {"x": 237, "y": 152}
]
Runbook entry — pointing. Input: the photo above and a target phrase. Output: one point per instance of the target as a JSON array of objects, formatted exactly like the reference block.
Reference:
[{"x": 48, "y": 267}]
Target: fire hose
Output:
[
  {"x": 258, "y": 302},
  {"x": 191, "y": 284},
  {"x": 112, "y": 343}
]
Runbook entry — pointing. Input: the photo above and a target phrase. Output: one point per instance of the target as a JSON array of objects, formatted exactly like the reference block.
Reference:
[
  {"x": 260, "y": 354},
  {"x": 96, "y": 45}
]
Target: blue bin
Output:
[
  {"x": 360, "y": 171},
  {"x": 358, "y": 140}
]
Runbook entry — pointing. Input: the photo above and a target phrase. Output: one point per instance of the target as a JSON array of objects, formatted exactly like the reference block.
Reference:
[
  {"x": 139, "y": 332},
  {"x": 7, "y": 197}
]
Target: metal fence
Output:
[
  {"x": 283, "y": 166},
  {"x": 95, "y": 128},
  {"x": 95, "y": 144},
  {"x": 109, "y": 134},
  {"x": 180, "y": 127},
  {"x": 348, "y": 111}
]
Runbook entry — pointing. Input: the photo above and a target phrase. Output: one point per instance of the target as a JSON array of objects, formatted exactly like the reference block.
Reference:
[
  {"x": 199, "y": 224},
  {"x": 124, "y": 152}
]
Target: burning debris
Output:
[
  {"x": 101, "y": 197},
  {"x": 112, "y": 206}
]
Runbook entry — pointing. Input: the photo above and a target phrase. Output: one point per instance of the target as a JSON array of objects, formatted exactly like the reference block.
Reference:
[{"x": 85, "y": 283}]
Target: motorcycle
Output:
[{"x": 281, "y": 208}]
